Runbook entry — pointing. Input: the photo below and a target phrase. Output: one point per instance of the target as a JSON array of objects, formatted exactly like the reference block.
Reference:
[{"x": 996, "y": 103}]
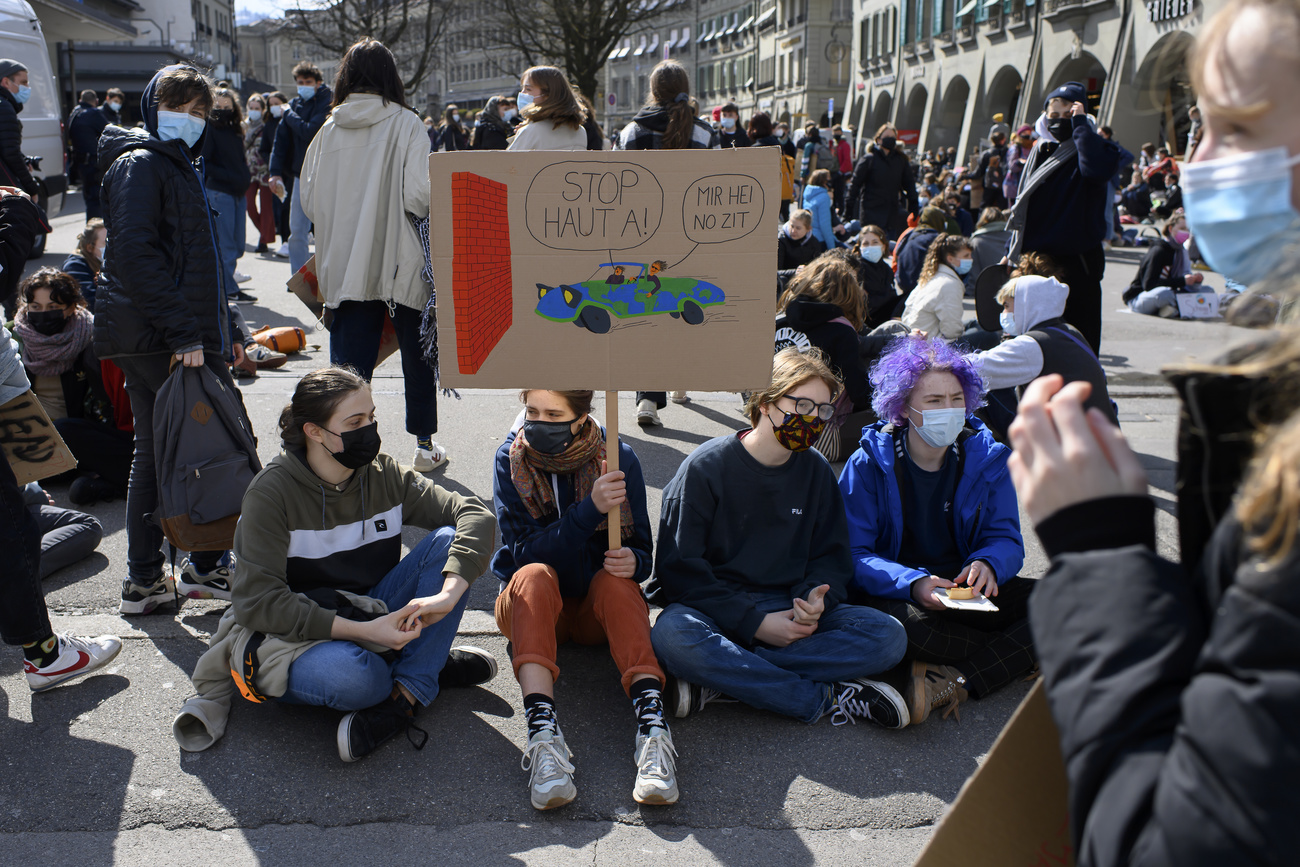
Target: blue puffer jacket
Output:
[
  {"x": 986, "y": 519},
  {"x": 818, "y": 200}
]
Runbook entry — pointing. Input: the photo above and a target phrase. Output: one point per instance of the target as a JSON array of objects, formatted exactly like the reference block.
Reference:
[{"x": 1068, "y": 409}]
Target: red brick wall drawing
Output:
[{"x": 481, "y": 275}]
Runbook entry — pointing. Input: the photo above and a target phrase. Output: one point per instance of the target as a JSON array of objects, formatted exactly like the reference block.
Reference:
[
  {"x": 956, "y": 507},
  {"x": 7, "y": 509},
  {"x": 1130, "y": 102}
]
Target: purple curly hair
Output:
[{"x": 907, "y": 359}]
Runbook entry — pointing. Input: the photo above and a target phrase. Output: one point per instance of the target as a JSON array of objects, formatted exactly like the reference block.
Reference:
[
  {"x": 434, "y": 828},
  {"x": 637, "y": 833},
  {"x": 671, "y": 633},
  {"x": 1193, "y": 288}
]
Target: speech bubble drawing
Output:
[
  {"x": 721, "y": 208},
  {"x": 589, "y": 206}
]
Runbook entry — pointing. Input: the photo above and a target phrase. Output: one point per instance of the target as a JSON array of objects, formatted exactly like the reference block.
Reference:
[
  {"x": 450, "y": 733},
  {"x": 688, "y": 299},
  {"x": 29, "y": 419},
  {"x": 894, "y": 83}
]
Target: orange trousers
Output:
[{"x": 537, "y": 619}]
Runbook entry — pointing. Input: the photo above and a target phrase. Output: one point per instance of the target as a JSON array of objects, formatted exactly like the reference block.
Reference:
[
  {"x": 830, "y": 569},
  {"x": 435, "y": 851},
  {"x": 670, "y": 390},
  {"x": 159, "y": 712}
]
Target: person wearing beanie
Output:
[
  {"x": 1061, "y": 208},
  {"x": 13, "y": 93}
]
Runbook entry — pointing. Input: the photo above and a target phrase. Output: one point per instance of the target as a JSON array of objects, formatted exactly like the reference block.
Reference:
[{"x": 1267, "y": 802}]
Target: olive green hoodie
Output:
[{"x": 298, "y": 533}]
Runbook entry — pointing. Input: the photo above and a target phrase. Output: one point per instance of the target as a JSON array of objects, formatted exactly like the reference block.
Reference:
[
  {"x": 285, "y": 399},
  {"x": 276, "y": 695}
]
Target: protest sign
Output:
[
  {"x": 652, "y": 270},
  {"x": 31, "y": 444}
]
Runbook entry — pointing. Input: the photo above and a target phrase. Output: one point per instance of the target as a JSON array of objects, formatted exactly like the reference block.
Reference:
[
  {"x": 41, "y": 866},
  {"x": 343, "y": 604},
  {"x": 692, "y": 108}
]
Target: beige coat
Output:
[
  {"x": 935, "y": 307},
  {"x": 365, "y": 170}
]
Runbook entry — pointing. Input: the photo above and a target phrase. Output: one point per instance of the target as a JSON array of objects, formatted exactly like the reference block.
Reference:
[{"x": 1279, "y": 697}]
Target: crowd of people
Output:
[{"x": 880, "y": 593}]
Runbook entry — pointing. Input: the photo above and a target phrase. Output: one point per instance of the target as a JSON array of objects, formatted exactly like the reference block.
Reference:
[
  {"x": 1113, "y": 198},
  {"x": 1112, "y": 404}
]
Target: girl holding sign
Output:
[{"x": 559, "y": 582}]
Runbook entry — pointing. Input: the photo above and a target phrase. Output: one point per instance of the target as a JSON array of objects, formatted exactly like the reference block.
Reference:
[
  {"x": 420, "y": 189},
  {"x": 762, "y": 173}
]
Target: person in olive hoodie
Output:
[
  {"x": 161, "y": 296},
  {"x": 325, "y": 516}
]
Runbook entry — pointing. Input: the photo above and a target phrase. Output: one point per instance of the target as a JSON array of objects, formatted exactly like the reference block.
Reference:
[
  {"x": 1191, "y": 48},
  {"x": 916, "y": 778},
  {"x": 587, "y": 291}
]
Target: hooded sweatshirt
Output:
[
  {"x": 790, "y": 254},
  {"x": 298, "y": 533},
  {"x": 646, "y": 131},
  {"x": 1044, "y": 344},
  {"x": 818, "y": 200},
  {"x": 364, "y": 172},
  {"x": 806, "y": 323}
]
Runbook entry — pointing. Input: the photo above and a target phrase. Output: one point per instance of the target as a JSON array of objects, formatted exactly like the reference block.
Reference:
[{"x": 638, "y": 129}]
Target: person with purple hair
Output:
[{"x": 930, "y": 507}]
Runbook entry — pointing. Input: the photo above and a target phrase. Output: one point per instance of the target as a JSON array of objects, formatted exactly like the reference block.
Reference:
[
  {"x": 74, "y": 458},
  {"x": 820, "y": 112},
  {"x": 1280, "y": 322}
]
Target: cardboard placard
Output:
[
  {"x": 606, "y": 270},
  {"x": 1014, "y": 811},
  {"x": 1197, "y": 305},
  {"x": 303, "y": 284},
  {"x": 31, "y": 444}
]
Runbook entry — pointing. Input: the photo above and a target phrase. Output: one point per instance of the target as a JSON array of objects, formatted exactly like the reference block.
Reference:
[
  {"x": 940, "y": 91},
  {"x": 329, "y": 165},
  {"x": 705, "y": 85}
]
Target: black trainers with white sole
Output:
[
  {"x": 467, "y": 666},
  {"x": 880, "y": 703},
  {"x": 363, "y": 731},
  {"x": 194, "y": 584},
  {"x": 143, "y": 600}
]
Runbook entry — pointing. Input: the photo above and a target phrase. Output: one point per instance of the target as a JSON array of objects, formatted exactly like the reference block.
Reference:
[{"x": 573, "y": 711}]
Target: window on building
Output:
[
  {"x": 841, "y": 10},
  {"x": 799, "y": 70}
]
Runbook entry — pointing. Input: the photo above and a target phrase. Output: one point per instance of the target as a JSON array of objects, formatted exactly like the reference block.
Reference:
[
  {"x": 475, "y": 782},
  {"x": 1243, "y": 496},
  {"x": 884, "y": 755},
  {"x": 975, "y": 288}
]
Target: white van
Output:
[{"x": 21, "y": 39}]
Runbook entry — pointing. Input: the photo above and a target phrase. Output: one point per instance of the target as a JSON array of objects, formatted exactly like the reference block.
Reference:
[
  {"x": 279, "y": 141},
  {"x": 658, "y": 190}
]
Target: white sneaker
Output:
[
  {"x": 283, "y": 252},
  {"x": 656, "y": 768},
  {"x": 77, "y": 658},
  {"x": 550, "y": 784},
  {"x": 241, "y": 277},
  {"x": 193, "y": 584},
  {"x": 679, "y": 397},
  {"x": 428, "y": 460},
  {"x": 647, "y": 415}
]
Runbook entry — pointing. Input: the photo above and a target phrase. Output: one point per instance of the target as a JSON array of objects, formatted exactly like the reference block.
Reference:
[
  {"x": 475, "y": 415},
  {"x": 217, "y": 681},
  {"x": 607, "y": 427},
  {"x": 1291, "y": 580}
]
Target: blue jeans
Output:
[
  {"x": 299, "y": 229},
  {"x": 1150, "y": 301},
  {"x": 346, "y": 676},
  {"x": 232, "y": 228},
  {"x": 851, "y": 641},
  {"x": 355, "y": 336}
]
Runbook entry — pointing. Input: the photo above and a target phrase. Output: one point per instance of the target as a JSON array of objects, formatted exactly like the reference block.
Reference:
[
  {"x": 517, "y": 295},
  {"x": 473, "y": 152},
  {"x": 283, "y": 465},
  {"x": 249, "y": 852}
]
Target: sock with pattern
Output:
[
  {"x": 425, "y": 443},
  {"x": 539, "y": 709},
  {"x": 647, "y": 701},
  {"x": 41, "y": 653}
]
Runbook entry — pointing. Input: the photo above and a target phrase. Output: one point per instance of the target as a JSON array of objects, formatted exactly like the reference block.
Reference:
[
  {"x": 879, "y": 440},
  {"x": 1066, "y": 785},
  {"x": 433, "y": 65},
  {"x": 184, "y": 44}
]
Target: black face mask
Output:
[
  {"x": 549, "y": 437},
  {"x": 1059, "y": 127},
  {"x": 222, "y": 116},
  {"x": 47, "y": 322},
  {"x": 888, "y": 142},
  {"x": 360, "y": 446}
]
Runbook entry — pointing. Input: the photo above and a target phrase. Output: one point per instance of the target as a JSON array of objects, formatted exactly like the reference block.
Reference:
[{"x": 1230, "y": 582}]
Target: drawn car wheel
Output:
[
  {"x": 595, "y": 319},
  {"x": 674, "y": 314},
  {"x": 692, "y": 313}
]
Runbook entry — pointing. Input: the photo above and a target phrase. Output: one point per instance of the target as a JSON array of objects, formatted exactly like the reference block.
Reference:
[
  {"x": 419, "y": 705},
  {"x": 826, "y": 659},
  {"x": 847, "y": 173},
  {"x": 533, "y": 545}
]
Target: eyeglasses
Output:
[{"x": 805, "y": 406}]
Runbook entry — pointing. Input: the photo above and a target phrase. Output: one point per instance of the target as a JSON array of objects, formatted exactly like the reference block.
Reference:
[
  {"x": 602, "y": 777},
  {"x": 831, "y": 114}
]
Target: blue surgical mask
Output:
[
  {"x": 1239, "y": 209},
  {"x": 254, "y": 115},
  {"x": 523, "y": 100},
  {"x": 873, "y": 253},
  {"x": 180, "y": 125},
  {"x": 964, "y": 266},
  {"x": 940, "y": 427},
  {"x": 1008, "y": 321},
  {"x": 306, "y": 91},
  {"x": 728, "y": 123},
  {"x": 24, "y": 93}
]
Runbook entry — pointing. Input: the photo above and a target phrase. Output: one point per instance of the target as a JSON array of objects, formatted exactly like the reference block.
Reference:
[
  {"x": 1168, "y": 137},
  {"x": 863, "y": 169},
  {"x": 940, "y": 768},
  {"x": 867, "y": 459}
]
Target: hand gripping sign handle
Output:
[{"x": 611, "y": 463}]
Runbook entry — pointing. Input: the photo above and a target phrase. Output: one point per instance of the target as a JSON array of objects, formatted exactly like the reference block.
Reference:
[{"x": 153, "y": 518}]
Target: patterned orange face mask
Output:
[{"x": 797, "y": 433}]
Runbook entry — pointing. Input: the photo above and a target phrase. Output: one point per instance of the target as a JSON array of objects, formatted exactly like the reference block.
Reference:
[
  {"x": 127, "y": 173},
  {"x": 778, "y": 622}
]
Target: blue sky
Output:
[{"x": 247, "y": 11}]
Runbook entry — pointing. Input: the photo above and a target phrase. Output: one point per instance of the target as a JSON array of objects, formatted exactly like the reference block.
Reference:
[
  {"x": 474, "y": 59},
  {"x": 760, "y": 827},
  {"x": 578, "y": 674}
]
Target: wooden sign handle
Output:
[{"x": 611, "y": 461}]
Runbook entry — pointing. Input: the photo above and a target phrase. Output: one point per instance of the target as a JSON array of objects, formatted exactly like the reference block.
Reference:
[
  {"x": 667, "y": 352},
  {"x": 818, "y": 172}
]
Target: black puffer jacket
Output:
[
  {"x": 11, "y": 145},
  {"x": 224, "y": 167},
  {"x": 880, "y": 179},
  {"x": 160, "y": 290}
]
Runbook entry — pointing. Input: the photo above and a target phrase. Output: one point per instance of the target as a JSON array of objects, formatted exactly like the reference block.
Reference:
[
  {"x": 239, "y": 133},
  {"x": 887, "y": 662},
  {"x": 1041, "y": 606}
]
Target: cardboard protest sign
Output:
[
  {"x": 1014, "y": 811},
  {"x": 303, "y": 284},
  {"x": 606, "y": 270},
  {"x": 32, "y": 446},
  {"x": 1197, "y": 305}
]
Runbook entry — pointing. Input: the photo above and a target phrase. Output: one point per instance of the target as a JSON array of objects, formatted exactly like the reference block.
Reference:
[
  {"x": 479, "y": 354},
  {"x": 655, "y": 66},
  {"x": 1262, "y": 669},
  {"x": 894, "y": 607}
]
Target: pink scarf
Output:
[{"x": 54, "y": 354}]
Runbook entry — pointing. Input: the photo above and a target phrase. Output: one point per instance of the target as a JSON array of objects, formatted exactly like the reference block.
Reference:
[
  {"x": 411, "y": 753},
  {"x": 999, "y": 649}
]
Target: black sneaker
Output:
[
  {"x": 683, "y": 698},
  {"x": 880, "y": 703},
  {"x": 362, "y": 731},
  {"x": 242, "y": 297},
  {"x": 142, "y": 600},
  {"x": 89, "y": 490},
  {"x": 467, "y": 666}
]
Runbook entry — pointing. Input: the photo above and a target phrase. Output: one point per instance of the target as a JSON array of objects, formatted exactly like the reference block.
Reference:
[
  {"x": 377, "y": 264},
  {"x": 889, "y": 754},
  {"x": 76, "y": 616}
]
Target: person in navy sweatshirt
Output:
[
  {"x": 561, "y": 581},
  {"x": 753, "y": 567},
  {"x": 931, "y": 506},
  {"x": 1063, "y": 199}
]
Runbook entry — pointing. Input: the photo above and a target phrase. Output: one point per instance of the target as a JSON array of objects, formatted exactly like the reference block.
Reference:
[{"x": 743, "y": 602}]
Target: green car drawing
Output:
[{"x": 642, "y": 293}]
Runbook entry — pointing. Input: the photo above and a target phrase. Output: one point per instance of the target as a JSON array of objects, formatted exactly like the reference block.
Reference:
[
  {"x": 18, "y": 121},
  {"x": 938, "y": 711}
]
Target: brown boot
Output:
[{"x": 934, "y": 686}]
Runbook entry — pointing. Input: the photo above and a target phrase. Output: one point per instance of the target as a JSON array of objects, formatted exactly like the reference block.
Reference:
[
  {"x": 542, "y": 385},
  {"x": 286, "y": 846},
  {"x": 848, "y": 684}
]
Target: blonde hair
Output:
[
  {"x": 791, "y": 368},
  {"x": 802, "y": 216},
  {"x": 829, "y": 279},
  {"x": 1268, "y": 505},
  {"x": 940, "y": 249},
  {"x": 560, "y": 104},
  {"x": 1212, "y": 43},
  {"x": 86, "y": 244},
  {"x": 1007, "y": 292}
]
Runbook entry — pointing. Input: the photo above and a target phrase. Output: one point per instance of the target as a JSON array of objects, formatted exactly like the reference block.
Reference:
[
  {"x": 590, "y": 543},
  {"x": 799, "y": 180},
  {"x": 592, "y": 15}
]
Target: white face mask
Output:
[
  {"x": 277, "y": 110},
  {"x": 1008, "y": 322},
  {"x": 873, "y": 252},
  {"x": 455, "y": 118},
  {"x": 940, "y": 427}
]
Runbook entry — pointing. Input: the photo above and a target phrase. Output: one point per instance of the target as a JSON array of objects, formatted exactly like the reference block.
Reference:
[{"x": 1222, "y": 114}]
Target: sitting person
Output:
[
  {"x": 319, "y": 572},
  {"x": 817, "y": 201},
  {"x": 67, "y": 536},
  {"x": 1135, "y": 199},
  {"x": 875, "y": 276},
  {"x": 85, "y": 263},
  {"x": 936, "y": 306},
  {"x": 1163, "y": 171},
  {"x": 989, "y": 243},
  {"x": 796, "y": 246},
  {"x": 930, "y": 507},
  {"x": 56, "y": 331},
  {"x": 1039, "y": 342},
  {"x": 823, "y": 309},
  {"x": 909, "y": 254},
  {"x": 561, "y": 582},
  {"x": 767, "y": 623},
  {"x": 1165, "y": 271}
]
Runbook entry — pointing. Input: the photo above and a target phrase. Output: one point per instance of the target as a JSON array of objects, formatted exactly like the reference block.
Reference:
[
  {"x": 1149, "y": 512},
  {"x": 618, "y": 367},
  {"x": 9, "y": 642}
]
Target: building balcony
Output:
[
  {"x": 966, "y": 32},
  {"x": 946, "y": 39},
  {"x": 1067, "y": 8}
]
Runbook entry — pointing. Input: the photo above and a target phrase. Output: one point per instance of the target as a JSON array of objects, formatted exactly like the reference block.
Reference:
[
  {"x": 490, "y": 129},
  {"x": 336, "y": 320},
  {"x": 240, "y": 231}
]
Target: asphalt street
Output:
[{"x": 92, "y": 775}]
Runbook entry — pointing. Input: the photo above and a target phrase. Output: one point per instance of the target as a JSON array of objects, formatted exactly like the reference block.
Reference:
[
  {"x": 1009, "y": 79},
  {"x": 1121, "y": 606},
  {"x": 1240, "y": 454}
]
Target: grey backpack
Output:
[{"x": 205, "y": 455}]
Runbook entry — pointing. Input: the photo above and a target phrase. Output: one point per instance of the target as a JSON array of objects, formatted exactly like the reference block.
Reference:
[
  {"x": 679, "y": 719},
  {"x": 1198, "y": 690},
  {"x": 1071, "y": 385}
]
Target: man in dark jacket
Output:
[
  {"x": 910, "y": 253},
  {"x": 161, "y": 296},
  {"x": 299, "y": 124},
  {"x": 1061, "y": 208},
  {"x": 882, "y": 176},
  {"x": 84, "y": 127},
  {"x": 114, "y": 99},
  {"x": 13, "y": 93}
]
